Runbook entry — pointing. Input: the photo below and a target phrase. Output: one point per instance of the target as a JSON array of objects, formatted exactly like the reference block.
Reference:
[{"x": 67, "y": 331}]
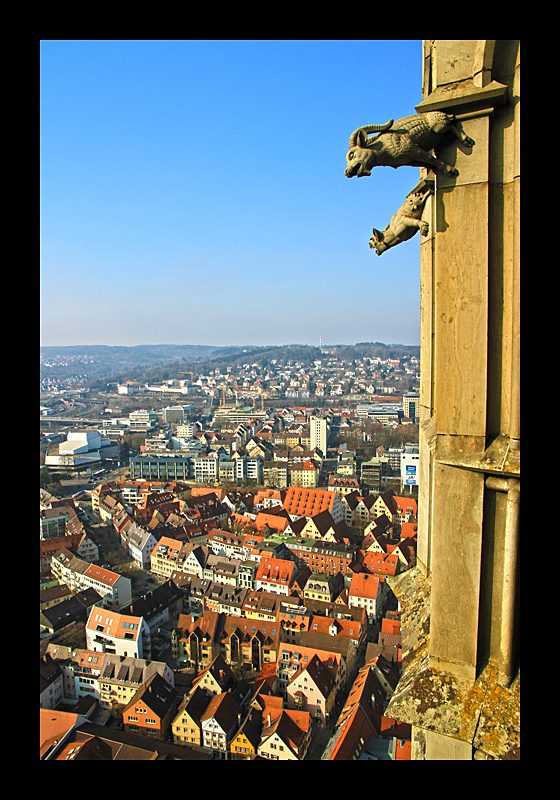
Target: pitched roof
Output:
[
  {"x": 364, "y": 585},
  {"x": 276, "y": 570},
  {"x": 323, "y": 678},
  {"x": 223, "y": 708},
  {"x": 111, "y": 623},
  {"x": 158, "y": 695},
  {"x": 291, "y": 727},
  {"x": 307, "y": 502}
]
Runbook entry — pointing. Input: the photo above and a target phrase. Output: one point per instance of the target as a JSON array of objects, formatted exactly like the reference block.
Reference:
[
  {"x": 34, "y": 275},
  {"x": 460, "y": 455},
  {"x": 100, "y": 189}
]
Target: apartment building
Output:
[
  {"x": 120, "y": 634},
  {"x": 77, "y": 574},
  {"x": 318, "y": 434}
]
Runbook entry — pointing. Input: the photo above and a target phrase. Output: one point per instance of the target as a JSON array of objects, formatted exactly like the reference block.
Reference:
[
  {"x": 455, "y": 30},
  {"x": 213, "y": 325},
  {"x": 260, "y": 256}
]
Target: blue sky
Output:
[{"x": 193, "y": 192}]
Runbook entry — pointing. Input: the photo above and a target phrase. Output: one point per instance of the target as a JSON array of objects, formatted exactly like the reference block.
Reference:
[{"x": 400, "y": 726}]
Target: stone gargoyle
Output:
[
  {"x": 406, "y": 142},
  {"x": 403, "y": 225}
]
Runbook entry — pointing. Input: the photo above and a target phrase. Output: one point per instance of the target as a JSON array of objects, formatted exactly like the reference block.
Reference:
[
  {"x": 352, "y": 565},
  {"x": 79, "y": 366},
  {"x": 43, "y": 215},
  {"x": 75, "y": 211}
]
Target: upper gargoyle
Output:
[{"x": 405, "y": 142}]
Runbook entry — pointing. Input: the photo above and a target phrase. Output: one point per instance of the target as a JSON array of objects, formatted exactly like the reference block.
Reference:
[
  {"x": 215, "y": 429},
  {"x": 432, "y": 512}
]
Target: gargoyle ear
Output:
[{"x": 362, "y": 138}]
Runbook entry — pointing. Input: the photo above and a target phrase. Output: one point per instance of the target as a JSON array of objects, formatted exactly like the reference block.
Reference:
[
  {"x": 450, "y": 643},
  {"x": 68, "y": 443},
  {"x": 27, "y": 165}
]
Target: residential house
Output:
[
  {"x": 51, "y": 691},
  {"x": 275, "y": 473},
  {"x": 219, "y": 723},
  {"x": 367, "y": 591},
  {"x": 74, "y": 608},
  {"x": 121, "y": 677},
  {"x": 385, "y": 504},
  {"x": 186, "y": 725},
  {"x": 294, "y": 657},
  {"x": 276, "y": 575},
  {"x": 245, "y": 742},
  {"x": 216, "y": 678},
  {"x": 80, "y": 671},
  {"x": 355, "y": 724},
  {"x": 53, "y": 595},
  {"x": 225, "y": 543},
  {"x": 157, "y": 607},
  {"x": 108, "y": 631},
  {"x": 381, "y": 563},
  {"x": 262, "y": 605},
  {"x": 407, "y": 507},
  {"x": 304, "y": 474},
  {"x": 323, "y": 586},
  {"x": 151, "y": 709},
  {"x": 313, "y": 689},
  {"x": 285, "y": 735},
  {"x": 322, "y": 556},
  {"x": 194, "y": 641},
  {"x": 168, "y": 556},
  {"x": 140, "y": 544},
  {"x": 342, "y": 485},
  {"x": 108, "y": 508},
  {"x": 365, "y": 511},
  {"x": 77, "y": 574},
  {"x": 304, "y": 502}
]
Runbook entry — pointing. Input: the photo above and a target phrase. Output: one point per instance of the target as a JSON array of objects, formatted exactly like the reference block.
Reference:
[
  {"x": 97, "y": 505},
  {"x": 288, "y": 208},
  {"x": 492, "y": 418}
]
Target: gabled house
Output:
[
  {"x": 381, "y": 563},
  {"x": 186, "y": 725},
  {"x": 140, "y": 544},
  {"x": 407, "y": 507},
  {"x": 285, "y": 735},
  {"x": 219, "y": 723},
  {"x": 195, "y": 638},
  {"x": 248, "y": 641},
  {"x": 385, "y": 504},
  {"x": 245, "y": 742},
  {"x": 367, "y": 591},
  {"x": 313, "y": 690},
  {"x": 216, "y": 678},
  {"x": 151, "y": 709},
  {"x": 276, "y": 575}
]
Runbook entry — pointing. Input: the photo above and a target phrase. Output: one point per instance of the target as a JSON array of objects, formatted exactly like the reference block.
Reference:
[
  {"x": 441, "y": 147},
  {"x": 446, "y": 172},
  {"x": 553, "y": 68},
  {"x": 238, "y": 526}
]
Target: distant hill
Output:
[{"x": 103, "y": 363}]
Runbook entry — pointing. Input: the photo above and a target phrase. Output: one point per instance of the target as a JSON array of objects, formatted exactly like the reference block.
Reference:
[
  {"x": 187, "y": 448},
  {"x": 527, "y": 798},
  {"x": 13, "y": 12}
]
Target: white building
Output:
[
  {"x": 140, "y": 544},
  {"x": 82, "y": 449},
  {"x": 120, "y": 634},
  {"x": 77, "y": 574},
  {"x": 206, "y": 468},
  {"x": 318, "y": 434},
  {"x": 410, "y": 459}
]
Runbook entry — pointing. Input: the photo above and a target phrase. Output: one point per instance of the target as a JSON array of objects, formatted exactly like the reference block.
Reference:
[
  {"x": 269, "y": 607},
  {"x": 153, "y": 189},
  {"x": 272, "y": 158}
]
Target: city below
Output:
[{"x": 218, "y": 537}]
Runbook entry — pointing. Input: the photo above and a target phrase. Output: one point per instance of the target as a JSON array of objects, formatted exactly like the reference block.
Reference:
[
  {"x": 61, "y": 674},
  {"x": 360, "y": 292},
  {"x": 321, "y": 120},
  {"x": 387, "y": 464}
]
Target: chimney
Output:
[{"x": 268, "y": 717}]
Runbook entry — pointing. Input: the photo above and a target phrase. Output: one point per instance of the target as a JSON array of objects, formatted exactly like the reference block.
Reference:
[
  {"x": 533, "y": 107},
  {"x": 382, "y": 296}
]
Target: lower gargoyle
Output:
[{"x": 403, "y": 225}]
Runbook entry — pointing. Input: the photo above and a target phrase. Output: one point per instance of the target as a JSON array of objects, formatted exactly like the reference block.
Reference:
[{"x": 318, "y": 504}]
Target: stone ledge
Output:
[
  {"x": 464, "y": 97},
  {"x": 483, "y": 713}
]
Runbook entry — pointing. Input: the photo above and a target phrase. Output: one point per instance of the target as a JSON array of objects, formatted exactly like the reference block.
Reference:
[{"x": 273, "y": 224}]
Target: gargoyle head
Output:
[{"x": 361, "y": 156}]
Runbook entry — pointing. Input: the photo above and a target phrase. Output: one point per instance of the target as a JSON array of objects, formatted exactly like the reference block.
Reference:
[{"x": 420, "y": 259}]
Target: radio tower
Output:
[{"x": 320, "y": 341}]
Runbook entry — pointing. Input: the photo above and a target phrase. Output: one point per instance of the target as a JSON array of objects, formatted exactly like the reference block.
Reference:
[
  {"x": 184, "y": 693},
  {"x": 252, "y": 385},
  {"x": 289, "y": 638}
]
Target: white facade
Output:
[
  {"x": 77, "y": 574},
  {"x": 318, "y": 434},
  {"x": 120, "y": 634},
  {"x": 82, "y": 448},
  {"x": 410, "y": 465}
]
